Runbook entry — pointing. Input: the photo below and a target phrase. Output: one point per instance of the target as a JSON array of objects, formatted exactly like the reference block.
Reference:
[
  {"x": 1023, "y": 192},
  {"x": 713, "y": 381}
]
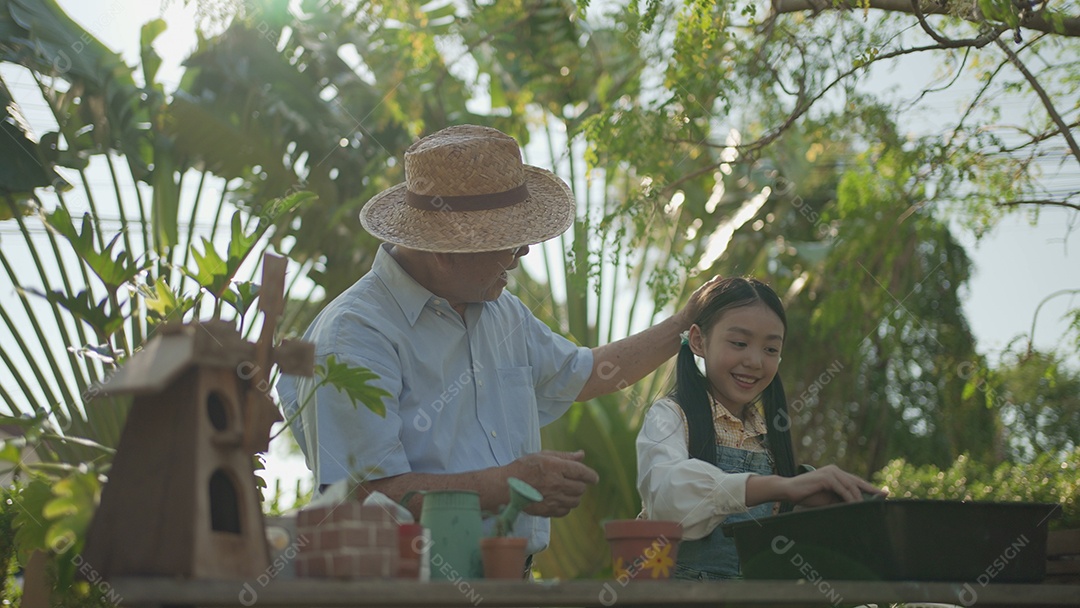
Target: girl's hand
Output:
[{"x": 827, "y": 485}]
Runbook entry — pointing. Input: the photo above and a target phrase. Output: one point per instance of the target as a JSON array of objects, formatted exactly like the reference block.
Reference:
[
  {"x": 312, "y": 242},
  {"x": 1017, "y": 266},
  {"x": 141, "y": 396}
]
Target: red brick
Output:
[
  {"x": 343, "y": 566},
  {"x": 311, "y": 540},
  {"x": 377, "y": 563},
  {"x": 346, "y": 511},
  {"x": 361, "y": 531},
  {"x": 376, "y": 514},
  {"x": 301, "y": 566},
  {"x": 317, "y": 566},
  {"x": 343, "y": 512},
  {"x": 354, "y": 536},
  {"x": 309, "y": 517},
  {"x": 359, "y": 537},
  {"x": 362, "y": 563},
  {"x": 305, "y": 541},
  {"x": 386, "y": 536},
  {"x": 330, "y": 538},
  {"x": 393, "y": 562}
]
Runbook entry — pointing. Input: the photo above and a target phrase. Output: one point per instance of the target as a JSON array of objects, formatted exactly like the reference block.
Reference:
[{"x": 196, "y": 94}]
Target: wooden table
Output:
[{"x": 159, "y": 592}]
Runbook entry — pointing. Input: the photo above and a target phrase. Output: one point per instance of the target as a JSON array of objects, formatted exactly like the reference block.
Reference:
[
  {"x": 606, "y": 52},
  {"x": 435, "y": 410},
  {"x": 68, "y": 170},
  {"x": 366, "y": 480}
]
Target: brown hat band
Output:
[{"x": 470, "y": 202}]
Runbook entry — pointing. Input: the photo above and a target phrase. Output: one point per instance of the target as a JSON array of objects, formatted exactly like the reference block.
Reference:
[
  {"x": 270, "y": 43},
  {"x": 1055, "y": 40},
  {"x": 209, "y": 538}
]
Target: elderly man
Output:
[{"x": 472, "y": 374}]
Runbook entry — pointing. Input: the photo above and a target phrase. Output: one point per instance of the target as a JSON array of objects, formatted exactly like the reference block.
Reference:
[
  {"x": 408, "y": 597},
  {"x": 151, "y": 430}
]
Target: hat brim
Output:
[{"x": 548, "y": 212}]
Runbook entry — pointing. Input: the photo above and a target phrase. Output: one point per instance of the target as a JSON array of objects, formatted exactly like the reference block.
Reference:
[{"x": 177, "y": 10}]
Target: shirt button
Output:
[
  {"x": 439, "y": 312},
  {"x": 492, "y": 433},
  {"x": 436, "y": 302},
  {"x": 479, "y": 383}
]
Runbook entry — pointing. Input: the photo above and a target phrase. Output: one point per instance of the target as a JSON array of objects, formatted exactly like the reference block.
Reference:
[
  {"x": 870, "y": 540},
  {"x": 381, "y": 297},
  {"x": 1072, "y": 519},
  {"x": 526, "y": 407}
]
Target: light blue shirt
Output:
[{"x": 465, "y": 395}]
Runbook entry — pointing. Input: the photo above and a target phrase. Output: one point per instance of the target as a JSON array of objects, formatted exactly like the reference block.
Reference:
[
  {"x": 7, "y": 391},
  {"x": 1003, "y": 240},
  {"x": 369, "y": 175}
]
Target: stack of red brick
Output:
[{"x": 346, "y": 541}]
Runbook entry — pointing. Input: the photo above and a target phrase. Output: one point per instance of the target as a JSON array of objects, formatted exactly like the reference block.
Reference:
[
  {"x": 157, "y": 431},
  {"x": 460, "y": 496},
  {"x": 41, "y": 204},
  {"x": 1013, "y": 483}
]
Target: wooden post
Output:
[
  {"x": 259, "y": 411},
  {"x": 36, "y": 589}
]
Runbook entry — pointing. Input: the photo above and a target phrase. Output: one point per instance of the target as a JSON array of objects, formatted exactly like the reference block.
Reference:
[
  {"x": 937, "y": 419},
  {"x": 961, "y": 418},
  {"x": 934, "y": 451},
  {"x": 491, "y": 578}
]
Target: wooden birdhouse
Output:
[{"x": 181, "y": 499}]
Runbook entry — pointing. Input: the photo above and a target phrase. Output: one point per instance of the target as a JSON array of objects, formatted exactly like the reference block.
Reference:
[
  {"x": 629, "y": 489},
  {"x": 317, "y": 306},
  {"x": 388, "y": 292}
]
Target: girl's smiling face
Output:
[{"x": 741, "y": 352}]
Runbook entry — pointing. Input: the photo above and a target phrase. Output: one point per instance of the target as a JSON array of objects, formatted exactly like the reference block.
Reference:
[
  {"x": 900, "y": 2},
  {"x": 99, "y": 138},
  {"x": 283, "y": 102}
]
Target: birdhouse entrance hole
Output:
[
  {"x": 224, "y": 505},
  {"x": 217, "y": 411}
]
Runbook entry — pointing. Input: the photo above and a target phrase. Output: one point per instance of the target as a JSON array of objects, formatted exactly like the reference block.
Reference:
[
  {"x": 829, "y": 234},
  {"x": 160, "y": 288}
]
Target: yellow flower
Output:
[
  {"x": 660, "y": 563},
  {"x": 621, "y": 571}
]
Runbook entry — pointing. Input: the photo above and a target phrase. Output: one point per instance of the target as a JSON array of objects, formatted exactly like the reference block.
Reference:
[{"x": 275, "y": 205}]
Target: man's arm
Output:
[
  {"x": 624, "y": 362},
  {"x": 559, "y": 476}
]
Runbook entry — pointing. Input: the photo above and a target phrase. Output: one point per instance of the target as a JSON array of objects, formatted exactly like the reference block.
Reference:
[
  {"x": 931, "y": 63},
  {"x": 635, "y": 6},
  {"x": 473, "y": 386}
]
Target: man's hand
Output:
[
  {"x": 621, "y": 363},
  {"x": 694, "y": 304},
  {"x": 559, "y": 476}
]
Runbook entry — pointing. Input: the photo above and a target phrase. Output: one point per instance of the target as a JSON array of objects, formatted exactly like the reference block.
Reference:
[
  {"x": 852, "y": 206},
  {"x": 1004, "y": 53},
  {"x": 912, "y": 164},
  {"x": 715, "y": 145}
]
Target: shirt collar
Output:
[
  {"x": 409, "y": 295},
  {"x": 753, "y": 424}
]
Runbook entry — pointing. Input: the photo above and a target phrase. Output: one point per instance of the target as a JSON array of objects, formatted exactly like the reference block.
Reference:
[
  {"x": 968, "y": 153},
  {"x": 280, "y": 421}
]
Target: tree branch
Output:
[
  {"x": 1070, "y": 26},
  {"x": 975, "y": 102},
  {"x": 1036, "y": 138},
  {"x": 1047, "y": 102},
  {"x": 979, "y": 42},
  {"x": 802, "y": 106},
  {"x": 1041, "y": 203}
]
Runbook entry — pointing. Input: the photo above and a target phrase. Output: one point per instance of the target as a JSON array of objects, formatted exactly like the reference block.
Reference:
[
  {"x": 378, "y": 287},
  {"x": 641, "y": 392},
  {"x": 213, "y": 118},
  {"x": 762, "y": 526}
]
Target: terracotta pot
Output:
[
  {"x": 643, "y": 549},
  {"x": 503, "y": 557}
]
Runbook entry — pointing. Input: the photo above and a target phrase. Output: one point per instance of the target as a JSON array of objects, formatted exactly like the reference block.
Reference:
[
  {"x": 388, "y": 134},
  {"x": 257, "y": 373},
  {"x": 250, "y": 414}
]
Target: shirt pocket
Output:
[{"x": 518, "y": 400}]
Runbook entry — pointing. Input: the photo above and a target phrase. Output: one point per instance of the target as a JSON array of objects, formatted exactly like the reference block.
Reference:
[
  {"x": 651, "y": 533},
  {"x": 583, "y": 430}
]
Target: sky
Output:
[{"x": 1017, "y": 265}]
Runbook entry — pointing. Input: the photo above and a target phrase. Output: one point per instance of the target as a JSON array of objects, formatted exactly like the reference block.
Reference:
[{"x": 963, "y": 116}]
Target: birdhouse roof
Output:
[{"x": 177, "y": 347}]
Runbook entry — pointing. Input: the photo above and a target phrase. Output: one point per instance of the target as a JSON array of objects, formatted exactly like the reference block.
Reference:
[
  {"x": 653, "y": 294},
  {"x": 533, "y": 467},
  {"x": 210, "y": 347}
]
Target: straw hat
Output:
[{"x": 466, "y": 190}]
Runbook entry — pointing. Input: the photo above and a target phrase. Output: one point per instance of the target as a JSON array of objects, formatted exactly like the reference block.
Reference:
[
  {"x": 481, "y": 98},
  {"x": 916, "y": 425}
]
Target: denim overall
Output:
[{"x": 714, "y": 557}]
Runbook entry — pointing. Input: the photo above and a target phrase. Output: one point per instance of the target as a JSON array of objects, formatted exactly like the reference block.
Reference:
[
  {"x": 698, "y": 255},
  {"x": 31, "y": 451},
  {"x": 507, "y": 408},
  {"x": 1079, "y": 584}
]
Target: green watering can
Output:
[{"x": 454, "y": 519}]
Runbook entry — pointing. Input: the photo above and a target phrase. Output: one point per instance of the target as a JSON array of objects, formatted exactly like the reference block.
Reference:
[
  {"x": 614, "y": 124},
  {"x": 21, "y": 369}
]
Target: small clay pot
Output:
[
  {"x": 643, "y": 549},
  {"x": 503, "y": 557}
]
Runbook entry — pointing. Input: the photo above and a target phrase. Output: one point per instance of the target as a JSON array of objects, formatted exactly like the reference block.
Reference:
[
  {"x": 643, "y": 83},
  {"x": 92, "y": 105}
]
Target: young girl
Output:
[{"x": 717, "y": 449}]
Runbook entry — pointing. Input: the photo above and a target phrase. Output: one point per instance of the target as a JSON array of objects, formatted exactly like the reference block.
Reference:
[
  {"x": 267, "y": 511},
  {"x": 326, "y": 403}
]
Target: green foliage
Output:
[
  {"x": 114, "y": 269},
  {"x": 24, "y": 166},
  {"x": 1048, "y": 478},
  {"x": 98, "y": 315},
  {"x": 215, "y": 273},
  {"x": 330, "y": 124},
  {"x": 1039, "y": 397},
  {"x": 162, "y": 303},
  {"x": 40, "y": 36},
  {"x": 353, "y": 381},
  {"x": 51, "y": 516},
  {"x": 904, "y": 350},
  {"x": 8, "y": 563},
  {"x": 1074, "y": 326},
  {"x": 282, "y": 501},
  {"x": 120, "y": 288}
]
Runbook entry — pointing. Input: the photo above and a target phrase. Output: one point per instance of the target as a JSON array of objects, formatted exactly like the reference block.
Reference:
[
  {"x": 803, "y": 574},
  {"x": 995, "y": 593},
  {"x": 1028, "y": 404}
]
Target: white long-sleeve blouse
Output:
[{"x": 675, "y": 487}]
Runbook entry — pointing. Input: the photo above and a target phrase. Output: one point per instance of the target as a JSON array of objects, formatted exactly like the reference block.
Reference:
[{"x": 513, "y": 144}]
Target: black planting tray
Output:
[{"x": 899, "y": 539}]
